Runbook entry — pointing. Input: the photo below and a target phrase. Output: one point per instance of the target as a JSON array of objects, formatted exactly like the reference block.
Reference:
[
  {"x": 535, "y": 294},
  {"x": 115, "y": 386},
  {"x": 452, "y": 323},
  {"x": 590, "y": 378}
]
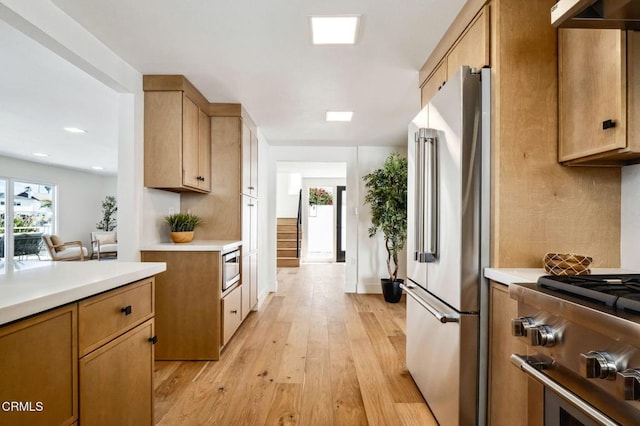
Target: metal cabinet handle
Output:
[
  {"x": 153, "y": 340},
  {"x": 608, "y": 124},
  {"x": 442, "y": 317},
  {"x": 521, "y": 362},
  {"x": 126, "y": 310},
  {"x": 251, "y": 188},
  {"x": 235, "y": 311}
]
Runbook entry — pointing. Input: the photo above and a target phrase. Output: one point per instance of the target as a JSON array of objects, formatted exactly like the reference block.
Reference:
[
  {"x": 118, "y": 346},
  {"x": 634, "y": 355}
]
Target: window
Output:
[{"x": 33, "y": 214}]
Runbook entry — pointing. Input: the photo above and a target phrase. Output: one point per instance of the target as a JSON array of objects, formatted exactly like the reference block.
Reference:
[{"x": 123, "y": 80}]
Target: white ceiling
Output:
[
  {"x": 255, "y": 52},
  {"x": 40, "y": 95},
  {"x": 313, "y": 169}
]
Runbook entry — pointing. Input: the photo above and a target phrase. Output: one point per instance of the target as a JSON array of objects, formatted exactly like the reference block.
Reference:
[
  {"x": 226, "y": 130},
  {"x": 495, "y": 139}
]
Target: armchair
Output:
[
  {"x": 104, "y": 243},
  {"x": 59, "y": 250}
]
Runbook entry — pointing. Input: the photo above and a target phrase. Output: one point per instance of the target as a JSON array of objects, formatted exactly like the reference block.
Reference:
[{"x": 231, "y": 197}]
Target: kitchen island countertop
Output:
[
  {"x": 51, "y": 284},
  {"x": 195, "y": 245},
  {"x": 509, "y": 276}
]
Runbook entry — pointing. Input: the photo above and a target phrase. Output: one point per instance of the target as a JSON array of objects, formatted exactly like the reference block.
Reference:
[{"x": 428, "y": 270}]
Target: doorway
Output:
[{"x": 312, "y": 188}]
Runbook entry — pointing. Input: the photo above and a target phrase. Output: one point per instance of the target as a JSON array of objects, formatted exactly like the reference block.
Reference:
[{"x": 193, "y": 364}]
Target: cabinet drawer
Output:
[
  {"x": 103, "y": 317},
  {"x": 231, "y": 313}
]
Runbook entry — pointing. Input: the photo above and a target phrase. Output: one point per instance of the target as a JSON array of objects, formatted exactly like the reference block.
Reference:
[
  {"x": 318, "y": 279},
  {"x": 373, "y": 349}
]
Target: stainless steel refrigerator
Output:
[{"x": 447, "y": 247}]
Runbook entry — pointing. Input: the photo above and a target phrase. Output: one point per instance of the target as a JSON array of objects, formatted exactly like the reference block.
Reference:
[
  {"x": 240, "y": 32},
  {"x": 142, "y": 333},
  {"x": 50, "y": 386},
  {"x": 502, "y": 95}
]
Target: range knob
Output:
[
  {"x": 629, "y": 384},
  {"x": 519, "y": 326},
  {"x": 598, "y": 365},
  {"x": 541, "y": 335}
]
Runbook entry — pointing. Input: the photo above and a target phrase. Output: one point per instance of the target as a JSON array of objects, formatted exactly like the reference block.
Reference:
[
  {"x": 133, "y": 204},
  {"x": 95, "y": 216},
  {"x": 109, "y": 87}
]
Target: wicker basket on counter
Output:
[{"x": 567, "y": 264}]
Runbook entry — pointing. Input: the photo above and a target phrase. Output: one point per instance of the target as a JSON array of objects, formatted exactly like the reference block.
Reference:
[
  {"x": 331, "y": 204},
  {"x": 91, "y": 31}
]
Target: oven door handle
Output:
[{"x": 521, "y": 362}]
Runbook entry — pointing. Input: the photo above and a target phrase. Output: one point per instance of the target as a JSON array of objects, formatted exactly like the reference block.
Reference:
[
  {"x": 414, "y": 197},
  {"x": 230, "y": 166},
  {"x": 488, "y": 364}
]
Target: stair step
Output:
[
  {"x": 284, "y": 244},
  {"x": 286, "y": 236},
  {"x": 286, "y": 252},
  {"x": 287, "y": 221},
  {"x": 286, "y": 228},
  {"x": 288, "y": 262}
]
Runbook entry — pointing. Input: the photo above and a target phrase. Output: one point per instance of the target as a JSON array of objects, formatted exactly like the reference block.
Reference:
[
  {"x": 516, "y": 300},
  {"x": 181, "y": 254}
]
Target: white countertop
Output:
[
  {"x": 195, "y": 245},
  {"x": 52, "y": 284},
  {"x": 530, "y": 275}
]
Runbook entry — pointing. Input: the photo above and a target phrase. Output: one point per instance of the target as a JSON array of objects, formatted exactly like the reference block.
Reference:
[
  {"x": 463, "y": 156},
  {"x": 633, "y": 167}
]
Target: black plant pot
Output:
[{"x": 391, "y": 290}]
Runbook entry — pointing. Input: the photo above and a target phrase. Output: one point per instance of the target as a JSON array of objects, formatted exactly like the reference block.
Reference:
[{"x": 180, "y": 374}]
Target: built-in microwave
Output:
[{"x": 230, "y": 269}]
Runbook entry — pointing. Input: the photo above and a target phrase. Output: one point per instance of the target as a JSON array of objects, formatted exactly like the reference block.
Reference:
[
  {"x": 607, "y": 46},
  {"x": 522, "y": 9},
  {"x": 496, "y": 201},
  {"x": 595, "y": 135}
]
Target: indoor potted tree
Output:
[
  {"x": 387, "y": 196},
  {"x": 182, "y": 226}
]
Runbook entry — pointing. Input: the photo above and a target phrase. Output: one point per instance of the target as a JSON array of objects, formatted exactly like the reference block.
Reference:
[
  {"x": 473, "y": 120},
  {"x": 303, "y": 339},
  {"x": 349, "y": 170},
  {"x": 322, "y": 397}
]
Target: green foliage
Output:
[
  {"x": 182, "y": 222},
  {"x": 387, "y": 196},
  {"x": 109, "y": 209},
  {"x": 23, "y": 223},
  {"x": 320, "y": 197}
]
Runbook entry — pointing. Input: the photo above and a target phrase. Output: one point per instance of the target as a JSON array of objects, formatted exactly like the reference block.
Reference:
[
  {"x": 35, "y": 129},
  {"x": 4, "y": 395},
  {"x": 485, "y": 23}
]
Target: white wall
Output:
[
  {"x": 630, "y": 218},
  {"x": 286, "y": 204},
  {"x": 372, "y": 253},
  {"x": 266, "y": 229},
  {"x": 79, "y": 195}
]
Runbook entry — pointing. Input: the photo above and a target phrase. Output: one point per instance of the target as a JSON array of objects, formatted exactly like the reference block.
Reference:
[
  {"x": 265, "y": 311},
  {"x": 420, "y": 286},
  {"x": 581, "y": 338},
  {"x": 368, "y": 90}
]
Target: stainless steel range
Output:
[{"x": 583, "y": 337}]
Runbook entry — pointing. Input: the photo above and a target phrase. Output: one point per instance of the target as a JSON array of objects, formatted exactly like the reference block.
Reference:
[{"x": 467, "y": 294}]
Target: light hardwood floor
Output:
[{"x": 311, "y": 355}]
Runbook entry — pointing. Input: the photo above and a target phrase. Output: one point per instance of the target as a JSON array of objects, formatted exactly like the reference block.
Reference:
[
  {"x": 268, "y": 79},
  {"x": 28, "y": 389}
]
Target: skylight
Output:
[
  {"x": 334, "y": 29},
  {"x": 339, "y": 115}
]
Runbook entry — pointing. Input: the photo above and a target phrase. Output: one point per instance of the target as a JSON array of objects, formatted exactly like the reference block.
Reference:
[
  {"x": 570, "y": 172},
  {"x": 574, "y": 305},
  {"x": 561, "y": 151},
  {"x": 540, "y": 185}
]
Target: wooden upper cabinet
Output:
[
  {"x": 598, "y": 109},
  {"x": 249, "y": 160},
  {"x": 204, "y": 150},
  {"x": 177, "y": 141},
  {"x": 190, "y": 143},
  {"x": 435, "y": 81},
  {"x": 471, "y": 48}
]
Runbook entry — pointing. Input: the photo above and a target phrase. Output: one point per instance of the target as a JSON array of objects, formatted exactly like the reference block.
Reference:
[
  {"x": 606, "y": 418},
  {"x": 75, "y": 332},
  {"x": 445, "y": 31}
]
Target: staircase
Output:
[{"x": 288, "y": 254}]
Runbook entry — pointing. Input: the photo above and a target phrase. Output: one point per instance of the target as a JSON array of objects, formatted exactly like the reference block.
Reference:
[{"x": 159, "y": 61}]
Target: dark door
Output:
[{"x": 341, "y": 213}]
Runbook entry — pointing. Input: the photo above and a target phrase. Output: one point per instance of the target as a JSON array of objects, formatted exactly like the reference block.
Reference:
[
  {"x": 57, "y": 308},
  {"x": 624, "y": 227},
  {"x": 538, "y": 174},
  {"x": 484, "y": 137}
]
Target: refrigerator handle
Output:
[
  {"x": 426, "y": 196},
  {"x": 440, "y": 316},
  {"x": 419, "y": 203},
  {"x": 431, "y": 252}
]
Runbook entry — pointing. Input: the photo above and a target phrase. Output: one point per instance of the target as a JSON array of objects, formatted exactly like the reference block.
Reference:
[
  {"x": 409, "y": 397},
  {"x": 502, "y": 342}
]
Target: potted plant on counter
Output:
[
  {"x": 182, "y": 226},
  {"x": 387, "y": 196}
]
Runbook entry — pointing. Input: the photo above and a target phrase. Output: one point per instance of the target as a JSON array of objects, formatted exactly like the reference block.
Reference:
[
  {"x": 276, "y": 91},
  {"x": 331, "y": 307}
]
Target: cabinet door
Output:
[
  {"x": 204, "y": 151},
  {"x": 253, "y": 283},
  {"x": 39, "y": 364},
  {"x": 246, "y": 284},
  {"x": 435, "y": 81},
  {"x": 247, "y": 188},
  {"x": 116, "y": 381},
  {"x": 592, "y": 88},
  {"x": 190, "y": 143},
  {"x": 254, "y": 164},
  {"x": 507, "y": 395},
  {"x": 249, "y": 224},
  {"x": 472, "y": 48}
]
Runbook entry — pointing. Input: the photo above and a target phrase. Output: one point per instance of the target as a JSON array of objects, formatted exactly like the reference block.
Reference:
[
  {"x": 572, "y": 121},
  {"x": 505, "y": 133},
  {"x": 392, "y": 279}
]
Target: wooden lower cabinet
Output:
[
  {"x": 116, "y": 385},
  {"x": 38, "y": 369},
  {"x": 507, "y": 384},
  {"x": 187, "y": 304}
]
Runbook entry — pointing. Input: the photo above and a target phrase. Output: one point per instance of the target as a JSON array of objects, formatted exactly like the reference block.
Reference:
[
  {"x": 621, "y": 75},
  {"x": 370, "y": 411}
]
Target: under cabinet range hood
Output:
[{"x": 623, "y": 14}]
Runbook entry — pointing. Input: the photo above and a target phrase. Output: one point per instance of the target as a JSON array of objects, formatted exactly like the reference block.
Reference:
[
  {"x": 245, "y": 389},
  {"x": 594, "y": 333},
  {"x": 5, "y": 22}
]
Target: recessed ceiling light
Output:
[
  {"x": 40, "y": 154},
  {"x": 334, "y": 29},
  {"x": 97, "y": 168},
  {"x": 339, "y": 115},
  {"x": 74, "y": 130}
]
